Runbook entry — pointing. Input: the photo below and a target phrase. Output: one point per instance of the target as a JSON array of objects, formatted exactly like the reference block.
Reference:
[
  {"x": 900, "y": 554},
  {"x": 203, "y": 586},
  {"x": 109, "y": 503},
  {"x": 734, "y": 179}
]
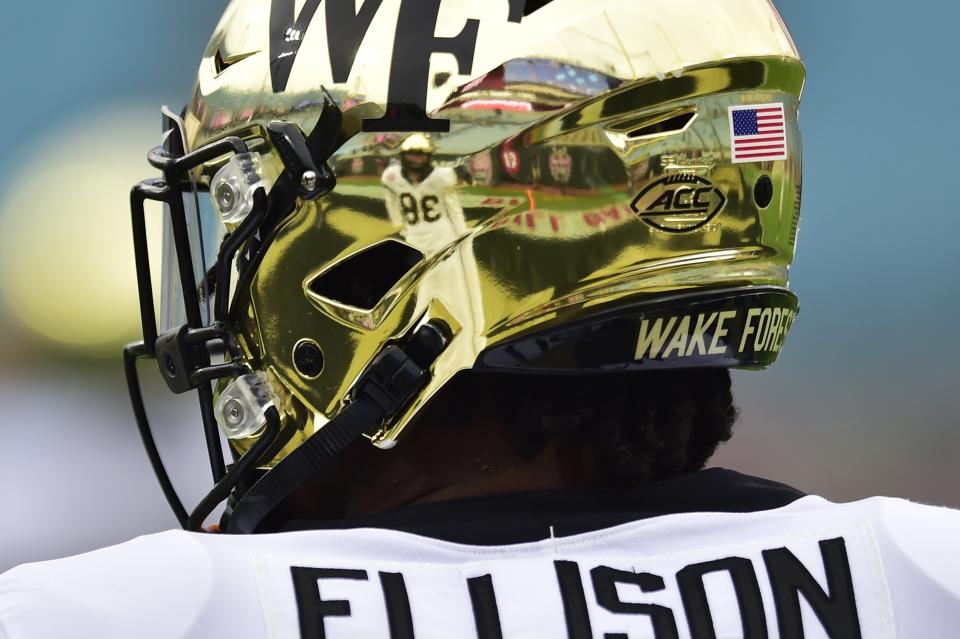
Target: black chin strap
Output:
[{"x": 390, "y": 382}]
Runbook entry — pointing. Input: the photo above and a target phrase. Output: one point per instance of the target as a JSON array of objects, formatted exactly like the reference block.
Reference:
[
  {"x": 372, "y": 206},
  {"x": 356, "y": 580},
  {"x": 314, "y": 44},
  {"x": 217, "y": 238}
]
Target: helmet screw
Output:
[
  {"x": 226, "y": 196},
  {"x": 308, "y": 181},
  {"x": 170, "y": 366},
  {"x": 308, "y": 358},
  {"x": 234, "y": 412}
]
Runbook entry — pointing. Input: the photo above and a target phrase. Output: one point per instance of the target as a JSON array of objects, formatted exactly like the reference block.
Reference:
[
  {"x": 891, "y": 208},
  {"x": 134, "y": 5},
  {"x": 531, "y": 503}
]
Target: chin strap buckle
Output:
[
  {"x": 388, "y": 385},
  {"x": 396, "y": 374},
  {"x": 390, "y": 380}
]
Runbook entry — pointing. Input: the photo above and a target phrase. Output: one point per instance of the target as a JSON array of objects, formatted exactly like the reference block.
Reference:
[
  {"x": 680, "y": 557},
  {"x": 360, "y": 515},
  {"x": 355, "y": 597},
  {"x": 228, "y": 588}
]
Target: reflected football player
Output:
[
  {"x": 423, "y": 204},
  {"x": 421, "y": 197},
  {"x": 440, "y": 429}
]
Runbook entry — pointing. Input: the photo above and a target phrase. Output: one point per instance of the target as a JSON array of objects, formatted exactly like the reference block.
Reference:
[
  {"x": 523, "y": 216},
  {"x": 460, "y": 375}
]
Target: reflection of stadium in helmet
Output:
[{"x": 610, "y": 226}]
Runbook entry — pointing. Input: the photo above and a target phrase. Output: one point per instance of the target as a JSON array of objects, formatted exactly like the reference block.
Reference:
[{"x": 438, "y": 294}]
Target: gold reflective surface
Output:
[{"x": 588, "y": 163}]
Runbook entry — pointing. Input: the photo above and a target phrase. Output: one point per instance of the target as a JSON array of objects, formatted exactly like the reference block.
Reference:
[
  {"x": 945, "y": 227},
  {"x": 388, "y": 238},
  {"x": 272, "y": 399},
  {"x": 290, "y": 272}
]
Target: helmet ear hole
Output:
[
  {"x": 308, "y": 358},
  {"x": 363, "y": 279},
  {"x": 763, "y": 191}
]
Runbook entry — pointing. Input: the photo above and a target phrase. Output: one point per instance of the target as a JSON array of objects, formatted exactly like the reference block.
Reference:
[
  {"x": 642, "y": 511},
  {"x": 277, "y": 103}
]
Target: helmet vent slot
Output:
[
  {"x": 667, "y": 126},
  {"x": 363, "y": 279}
]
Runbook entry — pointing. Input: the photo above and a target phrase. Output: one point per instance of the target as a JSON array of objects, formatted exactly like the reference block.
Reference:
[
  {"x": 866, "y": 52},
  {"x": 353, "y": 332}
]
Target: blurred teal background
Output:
[{"x": 864, "y": 400}]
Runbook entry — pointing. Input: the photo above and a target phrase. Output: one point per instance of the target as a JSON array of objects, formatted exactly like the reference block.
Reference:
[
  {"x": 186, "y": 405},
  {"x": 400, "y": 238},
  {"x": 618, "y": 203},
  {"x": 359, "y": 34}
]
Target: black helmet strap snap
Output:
[{"x": 391, "y": 381}]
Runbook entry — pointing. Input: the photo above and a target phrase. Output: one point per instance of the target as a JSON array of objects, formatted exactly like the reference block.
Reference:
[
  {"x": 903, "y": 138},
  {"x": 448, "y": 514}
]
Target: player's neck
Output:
[
  {"x": 443, "y": 461},
  {"x": 474, "y": 474}
]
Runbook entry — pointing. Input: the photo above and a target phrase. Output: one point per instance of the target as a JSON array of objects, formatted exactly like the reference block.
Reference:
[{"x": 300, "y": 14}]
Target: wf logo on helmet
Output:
[{"x": 679, "y": 203}]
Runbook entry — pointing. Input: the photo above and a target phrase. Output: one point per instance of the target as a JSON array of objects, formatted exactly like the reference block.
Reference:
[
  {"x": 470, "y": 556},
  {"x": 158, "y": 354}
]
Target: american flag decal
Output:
[{"x": 758, "y": 133}]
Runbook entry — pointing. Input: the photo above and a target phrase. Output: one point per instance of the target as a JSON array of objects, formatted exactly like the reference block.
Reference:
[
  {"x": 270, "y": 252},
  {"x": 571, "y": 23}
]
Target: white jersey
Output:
[
  {"x": 428, "y": 212},
  {"x": 874, "y": 569}
]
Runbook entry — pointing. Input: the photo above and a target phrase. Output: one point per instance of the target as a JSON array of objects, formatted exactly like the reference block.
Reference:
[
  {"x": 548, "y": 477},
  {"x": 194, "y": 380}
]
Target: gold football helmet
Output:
[{"x": 613, "y": 185}]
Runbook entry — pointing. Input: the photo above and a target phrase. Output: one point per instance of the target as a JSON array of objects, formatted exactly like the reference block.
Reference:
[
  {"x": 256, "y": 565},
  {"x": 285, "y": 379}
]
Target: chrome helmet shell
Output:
[{"x": 613, "y": 185}]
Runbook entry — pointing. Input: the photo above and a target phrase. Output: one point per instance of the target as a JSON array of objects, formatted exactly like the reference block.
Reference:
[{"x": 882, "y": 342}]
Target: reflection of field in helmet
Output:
[
  {"x": 423, "y": 204},
  {"x": 531, "y": 200},
  {"x": 421, "y": 197},
  {"x": 537, "y": 226},
  {"x": 532, "y": 84}
]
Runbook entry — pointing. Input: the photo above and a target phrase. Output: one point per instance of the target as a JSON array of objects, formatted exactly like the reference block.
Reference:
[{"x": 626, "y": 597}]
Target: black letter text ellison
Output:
[
  {"x": 789, "y": 578},
  {"x": 485, "y": 612},
  {"x": 312, "y": 609},
  {"x": 574, "y": 601},
  {"x": 395, "y": 596},
  {"x": 605, "y": 580},
  {"x": 745, "y": 586}
]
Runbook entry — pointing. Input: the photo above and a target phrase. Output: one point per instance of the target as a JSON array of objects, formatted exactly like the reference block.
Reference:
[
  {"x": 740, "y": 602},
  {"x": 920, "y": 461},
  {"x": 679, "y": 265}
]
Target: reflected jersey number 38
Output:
[{"x": 414, "y": 212}]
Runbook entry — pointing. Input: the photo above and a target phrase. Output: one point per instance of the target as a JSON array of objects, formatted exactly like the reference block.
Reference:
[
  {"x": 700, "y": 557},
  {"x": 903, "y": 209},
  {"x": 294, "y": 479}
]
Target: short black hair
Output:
[
  {"x": 640, "y": 426},
  {"x": 633, "y": 427}
]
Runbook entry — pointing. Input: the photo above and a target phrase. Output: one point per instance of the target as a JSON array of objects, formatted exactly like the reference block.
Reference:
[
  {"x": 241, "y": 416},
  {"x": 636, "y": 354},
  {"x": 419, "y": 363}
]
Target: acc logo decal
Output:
[{"x": 679, "y": 203}]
